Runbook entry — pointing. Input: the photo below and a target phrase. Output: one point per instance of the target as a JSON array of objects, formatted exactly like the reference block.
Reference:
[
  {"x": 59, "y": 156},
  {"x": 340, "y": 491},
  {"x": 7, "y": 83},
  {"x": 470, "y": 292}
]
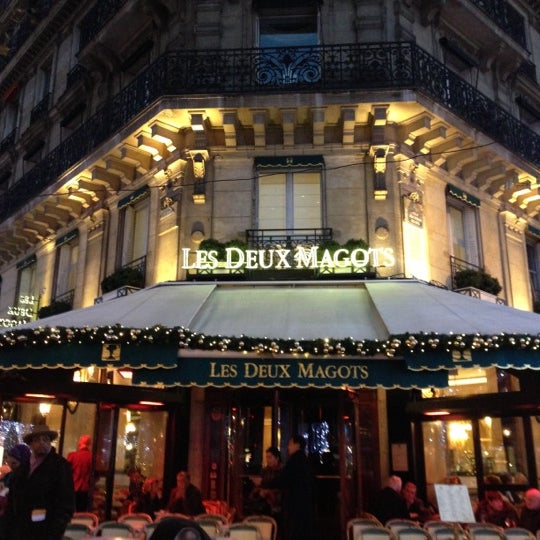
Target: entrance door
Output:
[
  {"x": 242, "y": 425},
  {"x": 130, "y": 446}
]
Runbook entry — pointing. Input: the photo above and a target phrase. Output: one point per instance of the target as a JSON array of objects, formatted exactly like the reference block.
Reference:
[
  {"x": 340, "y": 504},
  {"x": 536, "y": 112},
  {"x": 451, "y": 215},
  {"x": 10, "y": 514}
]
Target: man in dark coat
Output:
[
  {"x": 185, "y": 498},
  {"x": 42, "y": 498},
  {"x": 298, "y": 483},
  {"x": 390, "y": 504}
]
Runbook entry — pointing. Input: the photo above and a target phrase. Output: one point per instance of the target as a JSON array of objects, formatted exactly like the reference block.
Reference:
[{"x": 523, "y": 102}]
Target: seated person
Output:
[
  {"x": 418, "y": 510},
  {"x": 150, "y": 499},
  {"x": 390, "y": 504},
  {"x": 185, "y": 497},
  {"x": 266, "y": 498},
  {"x": 530, "y": 514},
  {"x": 494, "y": 509}
]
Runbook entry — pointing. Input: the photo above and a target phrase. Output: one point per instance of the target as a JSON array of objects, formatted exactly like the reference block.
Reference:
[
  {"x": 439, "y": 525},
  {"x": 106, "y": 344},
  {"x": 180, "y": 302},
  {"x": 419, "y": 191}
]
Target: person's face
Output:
[
  {"x": 496, "y": 504},
  {"x": 292, "y": 447},
  {"x": 12, "y": 462},
  {"x": 532, "y": 501},
  {"x": 271, "y": 460},
  {"x": 409, "y": 493},
  {"x": 182, "y": 479},
  {"x": 40, "y": 445}
]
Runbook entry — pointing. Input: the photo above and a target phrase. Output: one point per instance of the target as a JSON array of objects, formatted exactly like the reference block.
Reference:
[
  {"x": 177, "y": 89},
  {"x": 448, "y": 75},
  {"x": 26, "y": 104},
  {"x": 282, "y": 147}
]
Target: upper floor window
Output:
[
  {"x": 293, "y": 26},
  {"x": 27, "y": 292},
  {"x": 133, "y": 232},
  {"x": 65, "y": 271},
  {"x": 290, "y": 198},
  {"x": 533, "y": 263},
  {"x": 463, "y": 233}
]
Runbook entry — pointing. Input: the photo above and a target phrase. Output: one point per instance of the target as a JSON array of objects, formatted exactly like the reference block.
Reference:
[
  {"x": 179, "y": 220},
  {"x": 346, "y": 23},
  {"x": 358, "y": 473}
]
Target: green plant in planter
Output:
[
  {"x": 54, "y": 308},
  {"x": 123, "y": 277},
  {"x": 478, "y": 279},
  {"x": 211, "y": 244}
]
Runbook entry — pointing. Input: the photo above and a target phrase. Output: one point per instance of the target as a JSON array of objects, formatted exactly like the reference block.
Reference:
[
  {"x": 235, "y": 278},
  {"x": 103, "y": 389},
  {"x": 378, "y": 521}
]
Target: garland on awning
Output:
[{"x": 398, "y": 345}]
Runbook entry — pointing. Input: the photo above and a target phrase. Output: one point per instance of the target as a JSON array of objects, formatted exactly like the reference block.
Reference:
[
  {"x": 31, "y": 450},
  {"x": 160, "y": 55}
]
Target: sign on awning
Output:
[{"x": 290, "y": 373}]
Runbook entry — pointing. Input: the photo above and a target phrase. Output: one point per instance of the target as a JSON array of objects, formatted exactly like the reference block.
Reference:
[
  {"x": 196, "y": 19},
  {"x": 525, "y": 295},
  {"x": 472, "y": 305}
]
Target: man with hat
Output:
[{"x": 42, "y": 497}]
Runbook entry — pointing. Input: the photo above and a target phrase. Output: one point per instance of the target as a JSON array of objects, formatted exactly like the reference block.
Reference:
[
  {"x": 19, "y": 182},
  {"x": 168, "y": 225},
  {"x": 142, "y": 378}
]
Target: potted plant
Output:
[
  {"x": 122, "y": 277},
  {"x": 477, "y": 279},
  {"x": 54, "y": 308}
]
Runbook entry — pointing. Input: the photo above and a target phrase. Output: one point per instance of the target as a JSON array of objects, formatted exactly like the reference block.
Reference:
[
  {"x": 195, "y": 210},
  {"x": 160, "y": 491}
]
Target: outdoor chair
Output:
[
  {"x": 222, "y": 518},
  {"x": 355, "y": 525},
  {"x": 375, "y": 533},
  {"x": 137, "y": 520},
  {"x": 396, "y": 524},
  {"x": 412, "y": 533},
  {"x": 114, "y": 528},
  {"x": 485, "y": 531},
  {"x": 267, "y": 526},
  {"x": 434, "y": 524},
  {"x": 89, "y": 519},
  {"x": 148, "y": 530},
  {"x": 211, "y": 527},
  {"x": 373, "y": 517},
  {"x": 241, "y": 531},
  {"x": 518, "y": 533},
  {"x": 77, "y": 531},
  {"x": 448, "y": 532}
]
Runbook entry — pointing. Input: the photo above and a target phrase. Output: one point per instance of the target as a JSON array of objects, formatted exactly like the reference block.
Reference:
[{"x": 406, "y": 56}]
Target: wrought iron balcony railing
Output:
[
  {"x": 66, "y": 297},
  {"x": 286, "y": 238},
  {"x": 40, "y": 110},
  {"x": 96, "y": 19},
  {"x": 382, "y": 66},
  {"x": 457, "y": 265},
  {"x": 75, "y": 74},
  {"x": 506, "y": 17},
  {"x": 7, "y": 142}
]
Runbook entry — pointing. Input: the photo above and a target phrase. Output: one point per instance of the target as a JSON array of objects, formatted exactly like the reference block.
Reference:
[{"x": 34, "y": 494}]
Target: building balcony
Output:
[
  {"x": 493, "y": 31},
  {"x": 286, "y": 238},
  {"x": 7, "y": 142},
  {"x": 40, "y": 110},
  {"x": 241, "y": 72}
]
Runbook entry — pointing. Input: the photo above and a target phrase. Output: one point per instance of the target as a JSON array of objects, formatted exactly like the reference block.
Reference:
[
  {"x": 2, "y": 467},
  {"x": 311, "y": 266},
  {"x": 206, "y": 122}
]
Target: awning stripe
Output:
[
  {"x": 290, "y": 373},
  {"x": 462, "y": 195},
  {"x": 133, "y": 197},
  {"x": 26, "y": 262},
  {"x": 288, "y": 162},
  {"x": 66, "y": 238},
  {"x": 74, "y": 355}
]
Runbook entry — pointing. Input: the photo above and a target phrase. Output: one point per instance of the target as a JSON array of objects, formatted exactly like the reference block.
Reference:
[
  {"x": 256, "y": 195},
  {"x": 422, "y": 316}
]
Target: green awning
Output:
[
  {"x": 275, "y": 162},
  {"x": 74, "y": 355},
  {"x": 462, "y": 195},
  {"x": 133, "y": 197},
  {"x": 204, "y": 371},
  {"x": 503, "y": 358}
]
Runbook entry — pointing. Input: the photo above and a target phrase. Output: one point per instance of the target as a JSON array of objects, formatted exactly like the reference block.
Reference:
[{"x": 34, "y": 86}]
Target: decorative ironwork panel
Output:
[
  {"x": 96, "y": 19},
  {"x": 40, "y": 110},
  {"x": 66, "y": 297},
  {"x": 505, "y": 16},
  {"x": 7, "y": 142},
  {"x": 286, "y": 238}
]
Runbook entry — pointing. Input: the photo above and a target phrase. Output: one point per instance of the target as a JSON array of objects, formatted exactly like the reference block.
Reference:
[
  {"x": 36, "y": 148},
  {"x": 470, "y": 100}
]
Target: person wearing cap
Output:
[
  {"x": 81, "y": 466},
  {"x": 42, "y": 497}
]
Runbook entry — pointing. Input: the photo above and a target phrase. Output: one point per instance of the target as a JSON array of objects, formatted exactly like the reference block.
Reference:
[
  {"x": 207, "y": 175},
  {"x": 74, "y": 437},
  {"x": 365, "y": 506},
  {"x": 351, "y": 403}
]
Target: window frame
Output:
[{"x": 472, "y": 238}]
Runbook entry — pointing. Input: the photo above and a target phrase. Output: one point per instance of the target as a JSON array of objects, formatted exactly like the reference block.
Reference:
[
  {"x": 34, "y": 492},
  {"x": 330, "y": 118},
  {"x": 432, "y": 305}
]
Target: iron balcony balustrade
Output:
[
  {"x": 457, "y": 265},
  {"x": 383, "y": 66},
  {"x": 96, "y": 19},
  {"x": 41, "y": 109},
  {"x": 7, "y": 142},
  {"x": 506, "y": 17},
  {"x": 286, "y": 238}
]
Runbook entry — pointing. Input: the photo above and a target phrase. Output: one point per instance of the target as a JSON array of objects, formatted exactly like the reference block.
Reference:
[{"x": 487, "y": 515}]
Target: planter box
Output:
[
  {"x": 482, "y": 295},
  {"x": 117, "y": 293}
]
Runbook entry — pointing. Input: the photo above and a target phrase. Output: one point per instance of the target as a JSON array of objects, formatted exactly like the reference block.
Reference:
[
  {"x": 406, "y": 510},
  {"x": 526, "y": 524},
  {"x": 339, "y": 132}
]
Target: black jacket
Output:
[{"x": 49, "y": 489}]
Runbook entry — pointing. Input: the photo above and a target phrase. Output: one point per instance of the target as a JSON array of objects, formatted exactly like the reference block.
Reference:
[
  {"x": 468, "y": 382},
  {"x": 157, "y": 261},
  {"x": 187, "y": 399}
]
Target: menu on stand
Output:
[{"x": 454, "y": 503}]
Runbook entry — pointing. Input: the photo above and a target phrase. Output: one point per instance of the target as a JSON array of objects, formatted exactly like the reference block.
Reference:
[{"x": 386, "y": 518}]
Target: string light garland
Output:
[{"x": 397, "y": 345}]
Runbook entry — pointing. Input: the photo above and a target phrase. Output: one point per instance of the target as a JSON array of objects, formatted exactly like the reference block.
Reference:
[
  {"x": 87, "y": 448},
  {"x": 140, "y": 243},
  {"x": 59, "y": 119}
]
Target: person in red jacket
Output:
[{"x": 81, "y": 466}]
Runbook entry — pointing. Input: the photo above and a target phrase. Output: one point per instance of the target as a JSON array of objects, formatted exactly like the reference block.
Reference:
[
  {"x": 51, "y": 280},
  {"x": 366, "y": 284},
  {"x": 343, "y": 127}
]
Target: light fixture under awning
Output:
[{"x": 295, "y": 372}]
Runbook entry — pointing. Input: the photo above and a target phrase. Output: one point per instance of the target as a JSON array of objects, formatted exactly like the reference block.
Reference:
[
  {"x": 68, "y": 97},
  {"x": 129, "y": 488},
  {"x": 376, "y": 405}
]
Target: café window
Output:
[
  {"x": 65, "y": 270},
  {"x": 533, "y": 263},
  {"x": 27, "y": 295},
  {"x": 133, "y": 232},
  {"x": 463, "y": 231},
  {"x": 289, "y": 199}
]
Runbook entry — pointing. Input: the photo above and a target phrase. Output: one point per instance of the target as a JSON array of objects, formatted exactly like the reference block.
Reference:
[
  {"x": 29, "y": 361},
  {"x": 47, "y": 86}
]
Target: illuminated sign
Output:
[
  {"x": 280, "y": 259},
  {"x": 23, "y": 312}
]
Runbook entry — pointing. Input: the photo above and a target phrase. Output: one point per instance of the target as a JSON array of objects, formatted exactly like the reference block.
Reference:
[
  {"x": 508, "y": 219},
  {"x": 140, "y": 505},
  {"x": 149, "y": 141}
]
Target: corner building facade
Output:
[{"x": 138, "y": 136}]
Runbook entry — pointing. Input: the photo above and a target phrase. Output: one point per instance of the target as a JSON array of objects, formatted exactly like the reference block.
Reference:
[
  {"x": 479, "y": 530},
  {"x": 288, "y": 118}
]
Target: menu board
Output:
[{"x": 454, "y": 503}]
